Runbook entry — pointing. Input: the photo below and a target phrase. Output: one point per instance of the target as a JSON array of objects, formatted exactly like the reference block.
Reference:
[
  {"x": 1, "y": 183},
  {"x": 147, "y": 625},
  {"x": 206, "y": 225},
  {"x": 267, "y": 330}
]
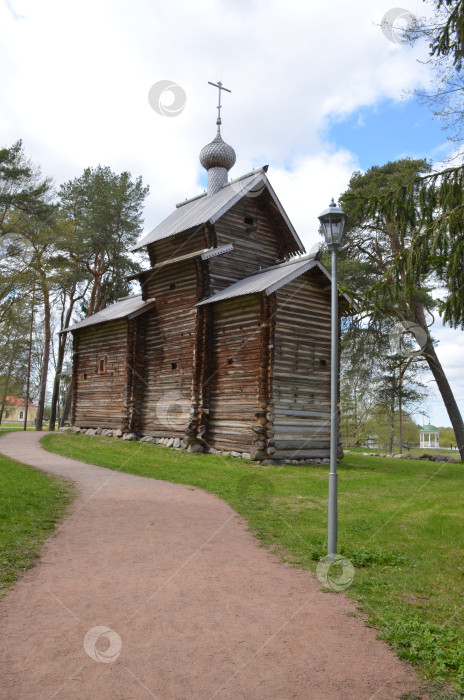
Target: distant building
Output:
[
  {"x": 429, "y": 436},
  {"x": 15, "y": 408}
]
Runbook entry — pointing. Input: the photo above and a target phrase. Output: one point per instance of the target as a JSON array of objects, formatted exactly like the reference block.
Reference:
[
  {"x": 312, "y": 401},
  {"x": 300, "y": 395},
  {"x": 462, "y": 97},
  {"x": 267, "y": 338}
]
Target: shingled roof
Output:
[
  {"x": 209, "y": 208},
  {"x": 268, "y": 280},
  {"x": 130, "y": 306},
  {"x": 272, "y": 278}
]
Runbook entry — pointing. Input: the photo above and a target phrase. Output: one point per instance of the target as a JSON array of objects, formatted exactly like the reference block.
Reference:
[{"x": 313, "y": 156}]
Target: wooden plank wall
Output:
[
  {"x": 163, "y": 394},
  {"x": 99, "y": 399},
  {"x": 301, "y": 372},
  {"x": 255, "y": 247},
  {"x": 175, "y": 246},
  {"x": 234, "y": 387}
]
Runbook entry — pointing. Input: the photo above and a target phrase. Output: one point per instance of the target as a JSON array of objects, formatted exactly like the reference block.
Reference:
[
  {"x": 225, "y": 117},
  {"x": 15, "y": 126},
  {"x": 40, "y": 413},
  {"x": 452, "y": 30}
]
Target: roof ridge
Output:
[{"x": 255, "y": 171}]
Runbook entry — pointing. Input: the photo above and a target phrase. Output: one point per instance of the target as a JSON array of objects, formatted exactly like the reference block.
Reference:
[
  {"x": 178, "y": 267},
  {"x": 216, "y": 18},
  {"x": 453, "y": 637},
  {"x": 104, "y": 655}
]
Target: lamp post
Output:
[{"x": 333, "y": 222}]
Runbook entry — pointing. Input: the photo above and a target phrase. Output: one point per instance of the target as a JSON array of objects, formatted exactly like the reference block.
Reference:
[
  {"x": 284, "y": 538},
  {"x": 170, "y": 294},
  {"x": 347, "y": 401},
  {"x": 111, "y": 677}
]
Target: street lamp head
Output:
[{"x": 333, "y": 221}]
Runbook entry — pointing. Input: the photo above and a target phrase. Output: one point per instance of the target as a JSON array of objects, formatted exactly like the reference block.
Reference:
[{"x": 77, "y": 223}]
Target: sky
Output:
[{"x": 318, "y": 91}]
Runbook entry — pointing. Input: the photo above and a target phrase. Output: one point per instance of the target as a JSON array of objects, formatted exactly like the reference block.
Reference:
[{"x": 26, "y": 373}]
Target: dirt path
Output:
[{"x": 195, "y": 607}]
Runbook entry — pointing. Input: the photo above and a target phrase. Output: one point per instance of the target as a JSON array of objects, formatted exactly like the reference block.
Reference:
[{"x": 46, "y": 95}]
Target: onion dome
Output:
[
  {"x": 217, "y": 158},
  {"x": 217, "y": 154}
]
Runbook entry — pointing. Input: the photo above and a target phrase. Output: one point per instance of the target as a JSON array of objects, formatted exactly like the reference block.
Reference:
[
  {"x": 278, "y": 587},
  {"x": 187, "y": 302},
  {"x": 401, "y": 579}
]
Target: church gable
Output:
[{"x": 259, "y": 236}]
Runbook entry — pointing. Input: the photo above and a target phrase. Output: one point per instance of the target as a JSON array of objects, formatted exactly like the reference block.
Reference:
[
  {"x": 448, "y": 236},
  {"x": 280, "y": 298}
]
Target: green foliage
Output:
[
  {"x": 397, "y": 227},
  {"x": 428, "y": 212},
  {"x": 105, "y": 211},
  {"x": 31, "y": 503},
  {"x": 23, "y": 190}
]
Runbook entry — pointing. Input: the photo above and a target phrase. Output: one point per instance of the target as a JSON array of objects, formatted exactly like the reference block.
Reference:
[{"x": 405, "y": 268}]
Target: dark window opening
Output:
[
  {"x": 249, "y": 220},
  {"x": 102, "y": 364},
  {"x": 172, "y": 286},
  {"x": 173, "y": 365},
  {"x": 323, "y": 363},
  {"x": 230, "y": 361}
]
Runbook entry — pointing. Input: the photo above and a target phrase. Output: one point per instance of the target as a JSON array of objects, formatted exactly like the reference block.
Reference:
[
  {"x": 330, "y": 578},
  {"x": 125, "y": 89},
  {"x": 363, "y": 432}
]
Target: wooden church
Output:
[{"x": 227, "y": 344}]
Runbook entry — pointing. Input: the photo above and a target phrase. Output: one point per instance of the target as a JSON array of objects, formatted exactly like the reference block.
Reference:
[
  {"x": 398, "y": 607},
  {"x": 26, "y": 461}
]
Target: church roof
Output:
[
  {"x": 130, "y": 306},
  {"x": 209, "y": 208},
  {"x": 268, "y": 280}
]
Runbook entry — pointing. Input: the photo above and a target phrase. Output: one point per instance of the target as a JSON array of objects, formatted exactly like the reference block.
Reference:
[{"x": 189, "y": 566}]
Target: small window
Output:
[
  {"x": 230, "y": 361},
  {"x": 21, "y": 415},
  {"x": 101, "y": 364},
  {"x": 172, "y": 286},
  {"x": 323, "y": 363},
  {"x": 173, "y": 365},
  {"x": 82, "y": 376},
  {"x": 249, "y": 220}
]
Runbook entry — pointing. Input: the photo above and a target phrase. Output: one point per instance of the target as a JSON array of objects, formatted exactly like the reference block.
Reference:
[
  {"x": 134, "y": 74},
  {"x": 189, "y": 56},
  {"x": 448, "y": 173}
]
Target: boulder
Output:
[
  {"x": 246, "y": 455},
  {"x": 176, "y": 443},
  {"x": 170, "y": 442},
  {"x": 146, "y": 438},
  {"x": 195, "y": 447},
  {"x": 109, "y": 433},
  {"x": 117, "y": 433},
  {"x": 129, "y": 437},
  {"x": 235, "y": 454},
  {"x": 90, "y": 431}
]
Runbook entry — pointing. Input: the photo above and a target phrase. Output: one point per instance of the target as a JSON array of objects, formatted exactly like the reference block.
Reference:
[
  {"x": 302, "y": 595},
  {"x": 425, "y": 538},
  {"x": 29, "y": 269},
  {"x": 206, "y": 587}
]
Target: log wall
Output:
[
  {"x": 164, "y": 386},
  {"x": 301, "y": 370},
  {"x": 101, "y": 400},
  {"x": 175, "y": 246},
  {"x": 234, "y": 384}
]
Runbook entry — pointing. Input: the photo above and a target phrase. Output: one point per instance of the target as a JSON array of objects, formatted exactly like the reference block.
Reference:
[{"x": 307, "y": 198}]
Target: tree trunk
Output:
[
  {"x": 56, "y": 382},
  {"x": 442, "y": 383},
  {"x": 67, "y": 404},
  {"x": 45, "y": 358},
  {"x": 400, "y": 423},
  {"x": 392, "y": 420}
]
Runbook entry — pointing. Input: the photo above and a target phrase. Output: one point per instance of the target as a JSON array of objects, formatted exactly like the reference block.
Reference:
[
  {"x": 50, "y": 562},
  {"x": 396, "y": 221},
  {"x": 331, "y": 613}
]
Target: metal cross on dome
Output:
[{"x": 220, "y": 86}]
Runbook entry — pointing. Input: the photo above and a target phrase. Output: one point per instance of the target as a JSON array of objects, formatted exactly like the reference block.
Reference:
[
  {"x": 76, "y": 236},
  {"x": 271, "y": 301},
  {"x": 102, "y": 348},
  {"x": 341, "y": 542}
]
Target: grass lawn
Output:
[
  {"x": 31, "y": 503},
  {"x": 8, "y": 427},
  {"x": 413, "y": 451},
  {"x": 400, "y": 523}
]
